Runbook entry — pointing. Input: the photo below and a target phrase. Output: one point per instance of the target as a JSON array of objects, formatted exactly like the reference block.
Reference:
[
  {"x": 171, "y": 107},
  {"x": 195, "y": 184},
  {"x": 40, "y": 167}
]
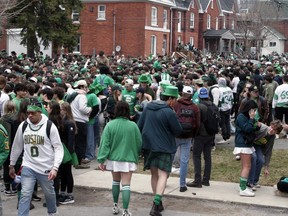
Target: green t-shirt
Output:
[
  {"x": 91, "y": 102},
  {"x": 195, "y": 98},
  {"x": 17, "y": 103},
  {"x": 130, "y": 98}
]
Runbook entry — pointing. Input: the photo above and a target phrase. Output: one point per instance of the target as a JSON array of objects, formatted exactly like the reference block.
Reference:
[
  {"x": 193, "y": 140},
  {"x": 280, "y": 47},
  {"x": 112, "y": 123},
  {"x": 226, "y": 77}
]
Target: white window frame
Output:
[
  {"x": 179, "y": 40},
  {"x": 154, "y": 45},
  {"x": 191, "y": 40},
  {"x": 101, "y": 13},
  {"x": 154, "y": 16},
  {"x": 75, "y": 16},
  {"x": 77, "y": 48},
  {"x": 192, "y": 20},
  {"x": 224, "y": 22},
  {"x": 233, "y": 24},
  {"x": 179, "y": 21},
  {"x": 217, "y": 24},
  {"x": 208, "y": 21},
  {"x": 165, "y": 19}
]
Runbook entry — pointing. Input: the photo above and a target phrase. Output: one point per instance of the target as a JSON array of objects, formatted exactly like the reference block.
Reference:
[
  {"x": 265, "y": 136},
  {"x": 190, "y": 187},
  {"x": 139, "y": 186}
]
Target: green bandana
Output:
[{"x": 34, "y": 108}]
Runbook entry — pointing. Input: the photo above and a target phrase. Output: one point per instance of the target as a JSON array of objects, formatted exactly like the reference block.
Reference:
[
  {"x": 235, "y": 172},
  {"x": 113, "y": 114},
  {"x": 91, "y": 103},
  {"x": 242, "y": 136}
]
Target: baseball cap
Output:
[
  {"x": 198, "y": 81},
  {"x": 34, "y": 105},
  {"x": 129, "y": 82},
  {"x": 253, "y": 88},
  {"x": 33, "y": 79},
  {"x": 80, "y": 83},
  {"x": 203, "y": 93},
  {"x": 187, "y": 90}
]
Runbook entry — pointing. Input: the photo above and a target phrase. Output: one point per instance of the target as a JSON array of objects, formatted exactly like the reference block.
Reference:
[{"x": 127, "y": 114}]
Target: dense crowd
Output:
[{"x": 121, "y": 107}]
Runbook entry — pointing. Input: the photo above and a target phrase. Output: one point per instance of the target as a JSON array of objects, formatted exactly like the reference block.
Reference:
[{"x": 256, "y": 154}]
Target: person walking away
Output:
[
  {"x": 41, "y": 160},
  {"x": 189, "y": 117},
  {"x": 159, "y": 126},
  {"x": 225, "y": 106},
  {"x": 119, "y": 153},
  {"x": 204, "y": 139}
]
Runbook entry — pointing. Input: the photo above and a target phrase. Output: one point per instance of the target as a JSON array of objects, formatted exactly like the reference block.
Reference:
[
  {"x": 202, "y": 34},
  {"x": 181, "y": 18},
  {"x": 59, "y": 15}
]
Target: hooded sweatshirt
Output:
[
  {"x": 159, "y": 126},
  {"x": 41, "y": 153}
]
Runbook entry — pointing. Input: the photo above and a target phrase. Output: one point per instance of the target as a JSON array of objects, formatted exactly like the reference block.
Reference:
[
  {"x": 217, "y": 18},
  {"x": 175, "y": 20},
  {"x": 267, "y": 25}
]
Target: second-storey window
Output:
[
  {"x": 154, "y": 16},
  {"x": 101, "y": 12},
  {"x": 192, "y": 21}
]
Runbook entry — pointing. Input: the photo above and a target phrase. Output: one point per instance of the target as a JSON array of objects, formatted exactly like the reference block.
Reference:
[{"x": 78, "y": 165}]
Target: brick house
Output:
[{"x": 144, "y": 27}]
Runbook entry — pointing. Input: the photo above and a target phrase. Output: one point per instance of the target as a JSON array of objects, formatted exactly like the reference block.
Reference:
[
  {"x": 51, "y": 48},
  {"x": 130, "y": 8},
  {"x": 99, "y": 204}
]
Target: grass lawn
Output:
[{"x": 225, "y": 168}]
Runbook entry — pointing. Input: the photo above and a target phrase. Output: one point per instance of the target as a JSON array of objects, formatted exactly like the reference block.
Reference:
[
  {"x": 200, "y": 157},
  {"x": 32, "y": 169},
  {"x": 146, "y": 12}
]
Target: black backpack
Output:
[
  {"x": 48, "y": 127},
  {"x": 213, "y": 119},
  {"x": 187, "y": 118}
]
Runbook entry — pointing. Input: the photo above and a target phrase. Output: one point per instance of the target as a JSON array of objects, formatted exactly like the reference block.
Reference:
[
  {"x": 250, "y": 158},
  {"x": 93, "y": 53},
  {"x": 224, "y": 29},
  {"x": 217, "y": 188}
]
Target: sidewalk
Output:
[{"x": 218, "y": 191}]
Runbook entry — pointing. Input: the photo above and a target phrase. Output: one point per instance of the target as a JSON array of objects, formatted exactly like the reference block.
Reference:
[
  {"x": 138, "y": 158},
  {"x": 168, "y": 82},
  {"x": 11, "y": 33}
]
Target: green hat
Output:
[
  {"x": 143, "y": 79},
  {"x": 84, "y": 70},
  {"x": 34, "y": 105},
  {"x": 58, "y": 80},
  {"x": 171, "y": 91},
  {"x": 164, "y": 85}
]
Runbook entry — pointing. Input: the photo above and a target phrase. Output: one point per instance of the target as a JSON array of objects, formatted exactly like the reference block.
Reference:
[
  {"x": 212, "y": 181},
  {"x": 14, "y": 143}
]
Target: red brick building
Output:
[{"x": 144, "y": 27}]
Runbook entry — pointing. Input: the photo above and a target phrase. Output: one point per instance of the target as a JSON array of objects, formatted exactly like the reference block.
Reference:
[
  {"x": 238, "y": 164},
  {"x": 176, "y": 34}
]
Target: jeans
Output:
[
  {"x": 184, "y": 145},
  {"x": 257, "y": 162},
  {"x": 92, "y": 136},
  {"x": 225, "y": 124},
  {"x": 28, "y": 180},
  {"x": 202, "y": 145}
]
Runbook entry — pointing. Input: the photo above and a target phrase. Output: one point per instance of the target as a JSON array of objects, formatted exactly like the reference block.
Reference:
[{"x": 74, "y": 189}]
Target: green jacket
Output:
[
  {"x": 121, "y": 141},
  {"x": 4, "y": 145}
]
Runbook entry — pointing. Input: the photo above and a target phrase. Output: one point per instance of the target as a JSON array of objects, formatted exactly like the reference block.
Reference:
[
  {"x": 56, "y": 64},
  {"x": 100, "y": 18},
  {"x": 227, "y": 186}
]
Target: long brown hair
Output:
[{"x": 68, "y": 113}]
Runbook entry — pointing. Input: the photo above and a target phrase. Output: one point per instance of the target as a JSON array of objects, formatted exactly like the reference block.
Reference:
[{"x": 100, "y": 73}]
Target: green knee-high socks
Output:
[
  {"x": 157, "y": 199},
  {"x": 243, "y": 183},
  {"x": 126, "y": 196},
  {"x": 115, "y": 190}
]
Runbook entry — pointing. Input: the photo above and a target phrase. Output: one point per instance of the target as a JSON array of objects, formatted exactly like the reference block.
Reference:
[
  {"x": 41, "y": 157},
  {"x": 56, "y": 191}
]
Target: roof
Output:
[
  {"x": 204, "y": 4},
  {"x": 227, "y": 5},
  {"x": 275, "y": 33},
  {"x": 223, "y": 33},
  {"x": 183, "y": 3}
]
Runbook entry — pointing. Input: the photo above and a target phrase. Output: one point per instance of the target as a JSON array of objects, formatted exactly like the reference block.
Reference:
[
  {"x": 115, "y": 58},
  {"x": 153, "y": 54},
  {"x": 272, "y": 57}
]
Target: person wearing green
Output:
[
  {"x": 21, "y": 93},
  {"x": 198, "y": 84},
  {"x": 129, "y": 96},
  {"x": 4, "y": 151},
  {"x": 104, "y": 79},
  {"x": 119, "y": 152},
  {"x": 144, "y": 83},
  {"x": 92, "y": 101}
]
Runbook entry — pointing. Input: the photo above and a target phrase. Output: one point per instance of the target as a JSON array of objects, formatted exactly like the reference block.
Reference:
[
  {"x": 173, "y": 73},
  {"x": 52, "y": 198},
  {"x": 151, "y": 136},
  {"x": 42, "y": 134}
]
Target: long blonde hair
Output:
[
  {"x": 68, "y": 113},
  {"x": 9, "y": 107}
]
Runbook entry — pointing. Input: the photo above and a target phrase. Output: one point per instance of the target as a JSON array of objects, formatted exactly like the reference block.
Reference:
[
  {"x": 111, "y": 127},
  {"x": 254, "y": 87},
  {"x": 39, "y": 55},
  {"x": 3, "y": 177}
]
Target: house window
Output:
[
  {"x": 192, "y": 4},
  {"x": 191, "y": 20},
  {"x": 179, "y": 22},
  {"x": 154, "y": 16},
  {"x": 191, "y": 41},
  {"x": 101, "y": 12},
  {"x": 77, "y": 48},
  {"x": 165, "y": 19},
  {"x": 217, "y": 23},
  {"x": 208, "y": 21},
  {"x": 224, "y": 22},
  {"x": 75, "y": 16},
  {"x": 153, "y": 45},
  {"x": 272, "y": 44},
  {"x": 233, "y": 25},
  {"x": 179, "y": 40},
  {"x": 212, "y": 4}
]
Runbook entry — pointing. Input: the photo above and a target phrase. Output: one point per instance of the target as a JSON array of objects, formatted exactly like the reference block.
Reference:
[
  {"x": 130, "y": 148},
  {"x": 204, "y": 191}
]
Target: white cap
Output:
[
  {"x": 80, "y": 83},
  {"x": 187, "y": 90},
  {"x": 129, "y": 82},
  {"x": 8, "y": 71},
  {"x": 33, "y": 79}
]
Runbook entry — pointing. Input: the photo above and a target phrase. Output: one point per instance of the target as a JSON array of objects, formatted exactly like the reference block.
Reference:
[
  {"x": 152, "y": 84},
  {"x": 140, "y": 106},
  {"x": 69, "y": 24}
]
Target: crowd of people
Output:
[{"x": 117, "y": 108}]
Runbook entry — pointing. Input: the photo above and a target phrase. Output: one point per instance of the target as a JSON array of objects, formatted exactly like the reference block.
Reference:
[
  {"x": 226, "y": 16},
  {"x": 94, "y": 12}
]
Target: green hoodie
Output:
[{"x": 4, "y": 144}]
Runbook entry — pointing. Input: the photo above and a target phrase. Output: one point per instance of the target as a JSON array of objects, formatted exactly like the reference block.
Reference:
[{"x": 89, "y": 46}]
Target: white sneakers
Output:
[
  {"x": 115, "y": 209},
  {"x": 247, "y": 192},
  {"x": 126, "y": 213}
]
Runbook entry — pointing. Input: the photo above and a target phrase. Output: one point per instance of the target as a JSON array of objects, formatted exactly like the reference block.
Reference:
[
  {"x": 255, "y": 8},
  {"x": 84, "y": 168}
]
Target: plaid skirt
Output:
[{"x": 162, "y": 161}]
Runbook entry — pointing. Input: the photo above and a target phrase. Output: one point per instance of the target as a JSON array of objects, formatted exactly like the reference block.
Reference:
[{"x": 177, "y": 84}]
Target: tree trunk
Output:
[{"x": 32, "y": 43}]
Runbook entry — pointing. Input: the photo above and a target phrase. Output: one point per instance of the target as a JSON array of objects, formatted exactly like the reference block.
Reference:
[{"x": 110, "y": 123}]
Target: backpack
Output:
[
  {"x": 48, "y": 127},
  {"x": 101, "y": 81},
  {"x": 210, "y": 93},
  {"x": 187, "y": 118},
  {"x": 71, "y": 97},
  {"x": 213, "y": 119}
]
